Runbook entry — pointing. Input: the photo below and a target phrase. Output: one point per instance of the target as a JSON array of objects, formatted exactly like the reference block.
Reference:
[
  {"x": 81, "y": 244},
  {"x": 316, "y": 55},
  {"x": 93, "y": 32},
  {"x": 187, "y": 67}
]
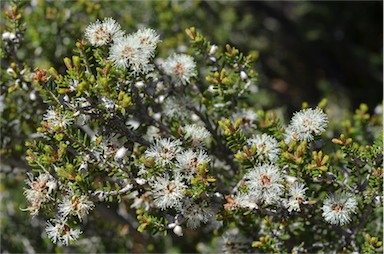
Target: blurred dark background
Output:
[{"x": 311, "y": 50}]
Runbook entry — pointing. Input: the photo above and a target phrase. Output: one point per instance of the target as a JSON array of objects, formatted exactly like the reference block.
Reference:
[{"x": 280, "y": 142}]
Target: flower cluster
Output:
[
  {"x": 179, "y": 166},
  {"x": 194, "y": 156},
  {"x": 134, "y": 51},
  {"x": 39, "y": 192},
  {"x": 267, "y": 147},
  {"x": 103, "y": 33},
  {"x": 338, "y": 207},
  {"x": 59, "y": 232},
  {"x": 164, "y": 150},
  {"x": 196, "y": 134},
  {"x": 44, "y": 189},
  {"x": 306, "y": 124},
  {"x": 168, "y": 193},
  {"x": 296, "y": 196},
  {"x": 181, "y": 67},
  {"x": 264, "y": 183},
  {"x": 76, "y": 205},
  {"x": 189, "y": 160},
  {"x": 55, "y": 119},
  {"x": 59, "y": 229}
]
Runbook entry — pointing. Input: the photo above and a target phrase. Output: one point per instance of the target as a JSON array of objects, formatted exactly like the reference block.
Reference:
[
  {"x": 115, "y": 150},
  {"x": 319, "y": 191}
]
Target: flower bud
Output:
[
  {"x": 68, "y": 63},
  {"x": 32, "y": 96},
  {"x": 76, "y": 62},
  {"x": 172, "y": 225},
  {"x": 378, "y": 109},
  {"x": 157, "y": 116},
  {"x": 213, "y": 50},
  {"x": 83, "y": 168},
  {"x": 140, "y": 84},
  {"x": 11, "y": 72},
  {"x": 121, "y": 153},
  {"x": 379, "y": 200},
  {"x": 178, "y": 230},
  {"x": 54, "y": 73},
  {"x": 195, "y": 118},
  {"x": 243, "y": 75}
]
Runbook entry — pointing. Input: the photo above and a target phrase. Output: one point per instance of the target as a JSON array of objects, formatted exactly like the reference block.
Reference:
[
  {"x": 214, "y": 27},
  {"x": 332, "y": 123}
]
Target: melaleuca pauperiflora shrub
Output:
[{"x": 179, "y": 146}]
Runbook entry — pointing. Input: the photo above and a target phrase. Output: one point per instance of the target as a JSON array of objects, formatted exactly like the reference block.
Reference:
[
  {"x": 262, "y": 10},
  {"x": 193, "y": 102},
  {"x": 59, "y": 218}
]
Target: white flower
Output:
[
  {"x": 108, "y": 147},
  {"x": 125, "y": 51},
  {"x": 176, "y": 107},
  {"x": 102, "y": 33},
  {"x": 148, "y": 39},
  {"x": 39, "y": 192},
  {"x": 164, "y": 150},
  {"x": 247, "y": 115},
  {"x": 290, "y": 135},
  {"x": 140, "y": 201},
  {"x": 180, "y": 66},
  {"x": 248, "y": 118},
  {"x": 267, "y": 147},
  {"x": 77, "y": 205},
  {"x": 195, "y": 214},
  {"x": 176, "y": 225},
  {"x": 43, "y": 184},
  {"x": 70, "y": 235},
  {"x": 109, "y": 104},
  {"x": 241, "y": 200},
  {"x": 196, "y": 133},
  {"x": 134, "y": 51},
  {"x": 188, "y": 161},
  {"x": 59, "y": 231},
  {"x": 306, "y": 124},
  {"x": 297, "y": 196},
  {"x": 57, "y": 119},
  {"x": 264, "y": 183},
  {"x": 65, "y": 207},
  {"x": 338, "y": 207},
  {"x": 168, "y": 193},
  {"x": 140, "y": 84},
  {"x": 54, "y": 230},
  {"x": 379, "y": 109}
]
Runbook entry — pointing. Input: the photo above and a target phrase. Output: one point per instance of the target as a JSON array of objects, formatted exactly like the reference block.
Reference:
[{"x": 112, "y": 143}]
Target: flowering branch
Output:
[{"x": 181, "y": 143}]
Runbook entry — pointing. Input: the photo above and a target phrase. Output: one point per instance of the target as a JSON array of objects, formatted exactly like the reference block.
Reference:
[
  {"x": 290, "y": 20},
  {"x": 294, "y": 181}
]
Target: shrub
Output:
[{"x": 180, "y": 145}]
